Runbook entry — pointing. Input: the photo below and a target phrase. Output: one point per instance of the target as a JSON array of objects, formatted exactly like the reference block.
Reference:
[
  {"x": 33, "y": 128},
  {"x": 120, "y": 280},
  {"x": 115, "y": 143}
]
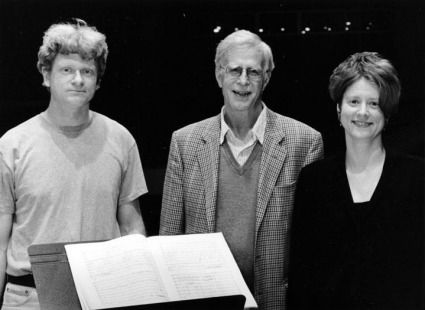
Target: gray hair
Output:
[{"x": 243, "y": 38}]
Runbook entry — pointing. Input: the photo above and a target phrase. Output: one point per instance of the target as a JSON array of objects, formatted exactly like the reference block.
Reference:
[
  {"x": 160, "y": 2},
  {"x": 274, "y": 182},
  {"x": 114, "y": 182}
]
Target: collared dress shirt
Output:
[{"x": 242, "y": 149}]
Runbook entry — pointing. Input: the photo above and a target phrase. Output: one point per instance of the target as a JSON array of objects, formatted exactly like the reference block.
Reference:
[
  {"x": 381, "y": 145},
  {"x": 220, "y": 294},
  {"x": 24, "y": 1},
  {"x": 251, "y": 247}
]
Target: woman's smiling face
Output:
[{"x": 360, "y": 114}]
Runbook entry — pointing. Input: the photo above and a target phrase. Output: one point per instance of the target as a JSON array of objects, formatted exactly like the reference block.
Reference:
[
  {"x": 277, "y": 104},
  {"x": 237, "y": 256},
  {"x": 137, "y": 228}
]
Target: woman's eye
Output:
[{"x": 374, "y": 104}]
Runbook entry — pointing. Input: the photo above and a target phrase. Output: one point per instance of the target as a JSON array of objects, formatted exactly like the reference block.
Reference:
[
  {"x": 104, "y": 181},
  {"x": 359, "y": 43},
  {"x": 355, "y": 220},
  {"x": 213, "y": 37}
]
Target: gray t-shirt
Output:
[{"x": 65, "y": 185}]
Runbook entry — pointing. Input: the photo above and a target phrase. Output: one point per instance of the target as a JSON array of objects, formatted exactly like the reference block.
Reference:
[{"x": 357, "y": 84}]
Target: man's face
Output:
[
  {"x": 72, "y": 80},
  {"x": 243, "y": 79}
]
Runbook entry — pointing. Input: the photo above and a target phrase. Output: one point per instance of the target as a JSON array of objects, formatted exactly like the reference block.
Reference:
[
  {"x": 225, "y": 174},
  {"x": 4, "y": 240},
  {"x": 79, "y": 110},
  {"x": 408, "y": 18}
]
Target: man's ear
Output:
[
  {"x": 219, "y": 75},
  {"x": 267, "y": 77},
  {"x": 46, "y": 77}
]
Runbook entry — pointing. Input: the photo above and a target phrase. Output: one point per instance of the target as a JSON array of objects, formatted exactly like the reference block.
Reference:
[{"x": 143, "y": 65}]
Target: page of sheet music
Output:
[
  {"x": 199, "y": 267},
  {"x": 119, "y": 272}
]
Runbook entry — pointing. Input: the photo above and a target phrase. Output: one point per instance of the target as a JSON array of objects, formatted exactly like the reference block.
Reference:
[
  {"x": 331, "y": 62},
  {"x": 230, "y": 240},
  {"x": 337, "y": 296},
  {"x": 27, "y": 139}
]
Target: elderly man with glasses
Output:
[{"x": 236, "y": 172}]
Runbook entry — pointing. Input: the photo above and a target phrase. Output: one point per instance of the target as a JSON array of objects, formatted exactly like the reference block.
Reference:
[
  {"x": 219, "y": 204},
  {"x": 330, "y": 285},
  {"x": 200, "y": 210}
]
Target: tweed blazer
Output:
[{"x": 190, "y": 192}]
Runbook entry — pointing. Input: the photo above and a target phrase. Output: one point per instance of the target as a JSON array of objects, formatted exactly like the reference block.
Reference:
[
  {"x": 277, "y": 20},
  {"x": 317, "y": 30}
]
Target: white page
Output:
[
  {"x": 199, "y": 266},
  {"x": 120, "y": 272}
]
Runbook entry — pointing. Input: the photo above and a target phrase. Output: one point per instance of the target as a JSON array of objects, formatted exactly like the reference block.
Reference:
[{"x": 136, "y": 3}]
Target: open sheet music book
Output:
[{"x": 136, "y": 270}]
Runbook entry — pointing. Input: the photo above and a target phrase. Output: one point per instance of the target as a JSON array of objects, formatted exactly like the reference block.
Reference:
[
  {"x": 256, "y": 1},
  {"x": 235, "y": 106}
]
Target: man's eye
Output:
[
  {"x": 88, "y": 72},
  {"x": 254, "y": 73},
  {"x": 235, "y": 71},
  {"x": 66, "y": 70},
  {"x": 354, "y": 101}
]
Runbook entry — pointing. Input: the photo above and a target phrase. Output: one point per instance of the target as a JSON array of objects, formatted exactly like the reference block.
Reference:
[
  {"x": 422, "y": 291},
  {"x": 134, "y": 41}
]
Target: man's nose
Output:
[
  {"x": 243, "y": 78},
  {"x": 78, "y": 79}
]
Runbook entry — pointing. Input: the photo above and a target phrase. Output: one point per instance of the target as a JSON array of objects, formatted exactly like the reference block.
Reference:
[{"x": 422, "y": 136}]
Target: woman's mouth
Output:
[{"x": 362, "y": 124}]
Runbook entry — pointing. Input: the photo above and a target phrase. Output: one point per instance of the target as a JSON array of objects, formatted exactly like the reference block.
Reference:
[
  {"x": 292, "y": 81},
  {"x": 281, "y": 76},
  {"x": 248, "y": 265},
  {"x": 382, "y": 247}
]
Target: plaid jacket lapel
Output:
[
  {"x": 272, "y": 159},
  {"x": 208, "y": 157}
]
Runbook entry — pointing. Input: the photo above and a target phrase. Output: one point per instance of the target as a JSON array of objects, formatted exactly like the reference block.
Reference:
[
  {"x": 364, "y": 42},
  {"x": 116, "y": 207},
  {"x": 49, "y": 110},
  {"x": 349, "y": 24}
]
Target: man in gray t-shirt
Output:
[{"x": 69, "y": 173}]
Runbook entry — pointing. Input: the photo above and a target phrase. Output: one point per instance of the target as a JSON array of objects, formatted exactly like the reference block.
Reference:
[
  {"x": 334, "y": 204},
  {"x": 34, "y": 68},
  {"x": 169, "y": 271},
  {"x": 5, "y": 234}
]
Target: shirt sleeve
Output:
[
  {"x": 133, "y": 183},
  {"x": 7, "y": 197}
]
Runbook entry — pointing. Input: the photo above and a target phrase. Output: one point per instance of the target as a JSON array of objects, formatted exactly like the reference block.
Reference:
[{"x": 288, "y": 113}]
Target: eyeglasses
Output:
[{"x": 236, "y": 72}]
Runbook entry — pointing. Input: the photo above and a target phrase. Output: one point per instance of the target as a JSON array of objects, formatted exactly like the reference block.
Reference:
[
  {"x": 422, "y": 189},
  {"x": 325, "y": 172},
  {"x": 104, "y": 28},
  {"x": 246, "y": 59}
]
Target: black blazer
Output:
[{"x": 373, "y": 259}]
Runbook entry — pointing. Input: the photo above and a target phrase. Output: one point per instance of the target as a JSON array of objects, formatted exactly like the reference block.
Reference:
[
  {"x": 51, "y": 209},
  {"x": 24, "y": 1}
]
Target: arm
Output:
[
  {"x": 5, "y": 228},
  {"x": 172, "y": 211},
  {"x": 130, "y": 218},
  {"x": 316, "y": 150},
  {"x": 7, "y": 208},
  {"x": 301, "y": 252}
]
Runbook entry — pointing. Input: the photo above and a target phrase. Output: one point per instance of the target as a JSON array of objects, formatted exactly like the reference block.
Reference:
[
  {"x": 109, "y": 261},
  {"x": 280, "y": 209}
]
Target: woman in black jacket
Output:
[{"x": 357, "y": 237}]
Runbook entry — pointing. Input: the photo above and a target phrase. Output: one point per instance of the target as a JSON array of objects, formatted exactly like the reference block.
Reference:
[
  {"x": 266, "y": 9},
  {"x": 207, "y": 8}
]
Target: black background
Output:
[{"x": 160, "y": 71}]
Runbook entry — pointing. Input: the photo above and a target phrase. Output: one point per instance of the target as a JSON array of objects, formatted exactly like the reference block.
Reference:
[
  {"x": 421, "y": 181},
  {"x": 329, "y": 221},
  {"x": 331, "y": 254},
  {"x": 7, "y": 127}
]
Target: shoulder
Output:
[
  {"x": 25, "y": 130},
  {"x": 326, "y": 164},
  {"x": 406, "y": 164},
  {"x": 22, "y": 139},
  {"x": 113, "y": 128},
  {"x": 290, "y": 126},
  {"x": 324, "y": 171},
  {"x": 118, "y": 139},
  {"x": 404, "y": 175},
  {"x": 405, "y": 158},
  {"x": 109, "y": 122},
  {"x": 198, "y": 129}
]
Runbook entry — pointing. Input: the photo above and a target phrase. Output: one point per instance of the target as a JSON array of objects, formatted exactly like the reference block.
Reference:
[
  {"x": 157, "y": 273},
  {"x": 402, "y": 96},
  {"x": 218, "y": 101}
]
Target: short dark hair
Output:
[
  {"x": 375, "y": 69},
  {"x": 69, "y": 38}
]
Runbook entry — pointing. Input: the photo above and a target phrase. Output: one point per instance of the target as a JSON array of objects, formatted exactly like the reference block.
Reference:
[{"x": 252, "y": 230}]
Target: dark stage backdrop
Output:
[{"x": 160, "y": 72}]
